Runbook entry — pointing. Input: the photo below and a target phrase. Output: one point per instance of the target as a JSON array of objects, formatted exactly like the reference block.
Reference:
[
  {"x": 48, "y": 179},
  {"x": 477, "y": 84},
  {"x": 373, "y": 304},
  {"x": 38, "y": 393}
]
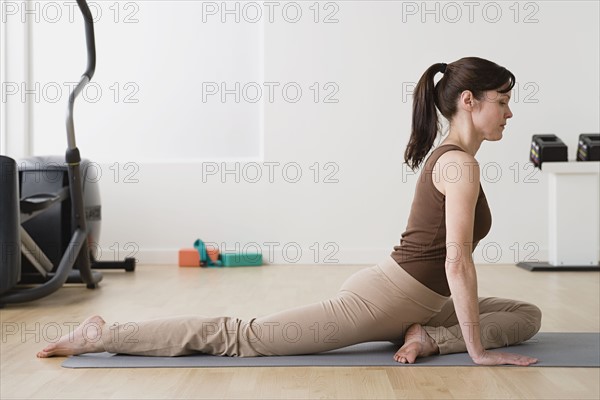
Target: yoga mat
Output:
[{"x": 551, "y": 349}]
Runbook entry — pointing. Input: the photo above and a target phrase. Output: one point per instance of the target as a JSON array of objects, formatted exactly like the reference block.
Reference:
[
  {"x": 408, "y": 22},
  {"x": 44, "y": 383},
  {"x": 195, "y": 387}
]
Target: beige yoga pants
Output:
[{"x": 377, "y": 303}]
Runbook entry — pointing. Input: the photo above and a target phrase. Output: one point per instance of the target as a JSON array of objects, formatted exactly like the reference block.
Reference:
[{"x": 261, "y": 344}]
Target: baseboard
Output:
[{"x": 306, "y": 256}]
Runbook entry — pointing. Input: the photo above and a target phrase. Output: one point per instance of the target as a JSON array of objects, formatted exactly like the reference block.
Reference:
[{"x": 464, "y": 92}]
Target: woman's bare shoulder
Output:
[{"x": 455, "y": 166}]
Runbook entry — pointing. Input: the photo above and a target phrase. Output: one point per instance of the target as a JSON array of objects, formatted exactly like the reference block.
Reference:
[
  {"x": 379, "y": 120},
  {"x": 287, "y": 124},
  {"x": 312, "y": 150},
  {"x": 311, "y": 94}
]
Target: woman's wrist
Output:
[{"x": 477, "y": 354}]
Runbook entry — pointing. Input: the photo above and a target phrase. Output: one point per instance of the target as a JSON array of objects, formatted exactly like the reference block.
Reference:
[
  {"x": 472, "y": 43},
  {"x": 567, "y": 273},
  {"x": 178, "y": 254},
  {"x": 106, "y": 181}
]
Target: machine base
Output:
[{"x": 545, "y": 266}]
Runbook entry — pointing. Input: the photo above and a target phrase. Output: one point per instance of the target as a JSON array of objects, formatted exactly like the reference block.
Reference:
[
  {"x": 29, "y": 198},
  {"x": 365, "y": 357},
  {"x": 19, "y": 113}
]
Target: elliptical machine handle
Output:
[
  {"x": 87, "y": 75},
  {"x": 89, "y": 38}
]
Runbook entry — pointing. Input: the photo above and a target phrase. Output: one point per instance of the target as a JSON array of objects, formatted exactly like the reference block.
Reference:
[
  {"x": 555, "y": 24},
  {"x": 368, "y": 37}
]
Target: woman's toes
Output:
[{"x": 46, "y": 351}]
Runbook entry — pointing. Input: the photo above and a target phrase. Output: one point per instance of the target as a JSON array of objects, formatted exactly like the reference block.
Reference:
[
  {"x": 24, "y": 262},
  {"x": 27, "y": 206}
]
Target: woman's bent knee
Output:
[{"x": 534, "y": 317}]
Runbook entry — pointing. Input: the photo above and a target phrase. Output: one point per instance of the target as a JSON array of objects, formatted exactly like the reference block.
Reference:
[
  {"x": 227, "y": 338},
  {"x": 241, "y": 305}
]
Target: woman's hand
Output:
[{"x": 498, "y": 358}]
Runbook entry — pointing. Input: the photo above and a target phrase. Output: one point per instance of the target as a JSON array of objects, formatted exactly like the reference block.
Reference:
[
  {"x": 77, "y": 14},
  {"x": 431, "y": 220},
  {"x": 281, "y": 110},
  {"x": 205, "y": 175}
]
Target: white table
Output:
[{"x": 573, "y": 217}]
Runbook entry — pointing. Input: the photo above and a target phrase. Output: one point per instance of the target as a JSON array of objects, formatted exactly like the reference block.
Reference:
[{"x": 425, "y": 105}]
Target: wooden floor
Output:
[{"x": 569, "y": 301}]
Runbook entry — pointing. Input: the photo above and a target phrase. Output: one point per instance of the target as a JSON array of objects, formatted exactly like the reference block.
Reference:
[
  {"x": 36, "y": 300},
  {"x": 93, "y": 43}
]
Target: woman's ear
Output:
[{"x": 467, "y": 101}]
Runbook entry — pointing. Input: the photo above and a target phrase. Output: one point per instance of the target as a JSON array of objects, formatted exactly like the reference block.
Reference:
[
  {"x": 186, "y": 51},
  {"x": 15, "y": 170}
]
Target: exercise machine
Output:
[{"x": 50, "y": 213}]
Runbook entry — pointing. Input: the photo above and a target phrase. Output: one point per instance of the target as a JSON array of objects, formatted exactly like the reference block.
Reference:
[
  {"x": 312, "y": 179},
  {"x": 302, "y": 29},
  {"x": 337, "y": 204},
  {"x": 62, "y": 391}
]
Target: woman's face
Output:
[{"x": 491, "y": 114}]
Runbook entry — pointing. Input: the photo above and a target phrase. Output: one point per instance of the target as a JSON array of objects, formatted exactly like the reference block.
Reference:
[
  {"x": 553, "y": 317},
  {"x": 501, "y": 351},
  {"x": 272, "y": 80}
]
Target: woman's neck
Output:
[
  {"x": 470, "y": 147},
  {"x": 463, "y": 134}
]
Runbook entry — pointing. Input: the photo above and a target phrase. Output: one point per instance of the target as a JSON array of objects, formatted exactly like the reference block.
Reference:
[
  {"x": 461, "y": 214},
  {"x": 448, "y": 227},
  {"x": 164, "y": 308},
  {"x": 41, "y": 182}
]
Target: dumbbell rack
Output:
[{"x": 574, "y": 231}]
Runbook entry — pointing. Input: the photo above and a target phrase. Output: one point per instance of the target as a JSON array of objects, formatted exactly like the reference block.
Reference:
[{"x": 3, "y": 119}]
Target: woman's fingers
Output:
[{"x": 527, "y": 360}]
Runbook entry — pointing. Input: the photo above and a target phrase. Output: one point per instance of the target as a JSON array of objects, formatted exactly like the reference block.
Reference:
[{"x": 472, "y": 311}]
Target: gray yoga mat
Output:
[{"x": 551, "y": 349}]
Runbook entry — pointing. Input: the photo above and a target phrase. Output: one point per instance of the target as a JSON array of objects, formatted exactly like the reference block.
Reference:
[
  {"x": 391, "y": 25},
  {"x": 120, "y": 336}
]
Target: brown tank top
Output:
[{"x": 422, "y": 250}]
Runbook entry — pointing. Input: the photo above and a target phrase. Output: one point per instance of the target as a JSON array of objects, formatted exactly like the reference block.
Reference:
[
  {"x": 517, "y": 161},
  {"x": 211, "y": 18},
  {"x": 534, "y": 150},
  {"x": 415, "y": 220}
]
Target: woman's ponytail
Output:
[{"x": 425, "y": 124}]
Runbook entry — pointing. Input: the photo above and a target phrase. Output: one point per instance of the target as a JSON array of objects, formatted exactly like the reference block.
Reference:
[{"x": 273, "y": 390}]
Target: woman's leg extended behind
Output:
[
  {"x": 369, "y": 307},
  {"x": 330, "y": 324},
  {"x": 503, "y": 322}
]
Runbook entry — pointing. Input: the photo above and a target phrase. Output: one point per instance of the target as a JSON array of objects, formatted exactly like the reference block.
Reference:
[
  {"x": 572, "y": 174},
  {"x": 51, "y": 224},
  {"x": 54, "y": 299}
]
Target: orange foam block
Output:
[{"x": 189, "y": 258}]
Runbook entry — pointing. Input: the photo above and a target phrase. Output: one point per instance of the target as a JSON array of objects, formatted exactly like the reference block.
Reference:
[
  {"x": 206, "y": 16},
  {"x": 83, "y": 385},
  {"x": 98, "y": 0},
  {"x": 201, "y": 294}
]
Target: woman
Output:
[{"x": 406, "y": 295}]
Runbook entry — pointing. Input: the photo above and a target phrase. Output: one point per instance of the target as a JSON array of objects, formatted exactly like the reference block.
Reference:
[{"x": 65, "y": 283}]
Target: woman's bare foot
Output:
[
  {"x": 417, "y": 343},
  {"x": 84, "y": 339}
]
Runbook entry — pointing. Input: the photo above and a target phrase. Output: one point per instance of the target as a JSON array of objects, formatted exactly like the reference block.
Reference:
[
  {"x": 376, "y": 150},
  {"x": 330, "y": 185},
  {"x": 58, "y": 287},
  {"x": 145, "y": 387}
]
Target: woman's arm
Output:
[
  {"x": 462, "y": 192},
  {"x": 461, "y": 199}
]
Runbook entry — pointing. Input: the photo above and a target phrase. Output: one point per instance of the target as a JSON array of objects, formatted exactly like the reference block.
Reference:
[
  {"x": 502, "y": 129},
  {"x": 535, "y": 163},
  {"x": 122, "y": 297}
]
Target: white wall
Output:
[
  {"x": 359, "y": 204},
  {"x": 154, "y": 61}
]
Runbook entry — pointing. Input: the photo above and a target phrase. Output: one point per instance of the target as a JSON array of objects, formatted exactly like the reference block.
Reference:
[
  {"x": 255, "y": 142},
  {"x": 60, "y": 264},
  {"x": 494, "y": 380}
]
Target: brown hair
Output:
[{"x": 469, "y": 73}]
